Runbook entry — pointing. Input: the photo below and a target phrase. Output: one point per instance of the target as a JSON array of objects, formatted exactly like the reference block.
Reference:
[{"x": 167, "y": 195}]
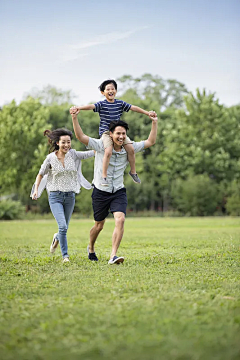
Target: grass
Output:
[{"x": 176, "y": 296}]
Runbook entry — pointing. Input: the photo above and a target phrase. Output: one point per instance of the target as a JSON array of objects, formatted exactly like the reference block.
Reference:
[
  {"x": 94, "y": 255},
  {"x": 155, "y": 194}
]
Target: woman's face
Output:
[{"x": 64, "y": 143}]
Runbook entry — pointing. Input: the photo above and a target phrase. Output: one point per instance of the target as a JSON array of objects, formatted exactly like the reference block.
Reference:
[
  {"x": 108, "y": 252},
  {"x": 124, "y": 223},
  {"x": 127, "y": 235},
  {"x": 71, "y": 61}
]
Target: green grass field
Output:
[{"x": 176, "y": 296}]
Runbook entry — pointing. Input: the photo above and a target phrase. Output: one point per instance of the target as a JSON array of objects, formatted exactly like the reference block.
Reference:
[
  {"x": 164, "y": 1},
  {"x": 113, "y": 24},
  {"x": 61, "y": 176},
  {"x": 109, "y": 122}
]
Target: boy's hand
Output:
[
  {"x": 152, "y": 113},
  {"x": 154, "y": 117},
  {"x": 74, "y": 110}
]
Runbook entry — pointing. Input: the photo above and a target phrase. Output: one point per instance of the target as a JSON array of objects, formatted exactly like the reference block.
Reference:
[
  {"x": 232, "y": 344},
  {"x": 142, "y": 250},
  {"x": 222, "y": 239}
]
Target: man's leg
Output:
[
  {"x": 94, "y": 232},
  {"x": 117, "y": 232}
]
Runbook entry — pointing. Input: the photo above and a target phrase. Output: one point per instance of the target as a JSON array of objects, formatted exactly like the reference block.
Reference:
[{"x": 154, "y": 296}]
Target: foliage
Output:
[
  {"x": 11, "y": 210},
  {"x": 176, "y": 296},
  {"x": 203, "y": 139},
  {"x": 153, "y": 90},
  {"x": 233, "y": 200},
  {"x": 197, "y": 135},
  {"x": 50, "y": 95},
  {"x": 21, "y": 144},
  {"x": 196, "y": 196}
]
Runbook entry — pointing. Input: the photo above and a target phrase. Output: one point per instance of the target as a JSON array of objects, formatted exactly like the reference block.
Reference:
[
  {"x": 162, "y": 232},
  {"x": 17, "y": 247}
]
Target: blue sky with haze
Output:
[{"x": 77, "y": 44}]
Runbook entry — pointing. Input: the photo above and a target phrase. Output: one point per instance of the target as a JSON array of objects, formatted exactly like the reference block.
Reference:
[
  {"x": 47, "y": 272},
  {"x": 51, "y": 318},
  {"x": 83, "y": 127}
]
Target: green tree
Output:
[
  {"x": 154, "y": 90},
  {"x": 196, "y": 196},
  {"x": 203, "y": 139},
  {"x": 23, "y": 145},
  {"x": 50, "y": 95}
]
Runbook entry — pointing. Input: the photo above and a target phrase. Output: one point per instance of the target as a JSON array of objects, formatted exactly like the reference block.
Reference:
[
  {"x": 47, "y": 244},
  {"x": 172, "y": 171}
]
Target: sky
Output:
[{"x": 75, "y": 45}]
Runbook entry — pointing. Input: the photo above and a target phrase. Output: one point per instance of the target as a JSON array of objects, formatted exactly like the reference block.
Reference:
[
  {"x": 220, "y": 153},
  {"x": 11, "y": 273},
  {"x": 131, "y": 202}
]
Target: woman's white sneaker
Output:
[{"x": 54, "y": 244}]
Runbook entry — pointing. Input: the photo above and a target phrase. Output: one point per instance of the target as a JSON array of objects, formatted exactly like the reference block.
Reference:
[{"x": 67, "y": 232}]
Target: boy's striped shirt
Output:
[{"x": 109, "y": 112}]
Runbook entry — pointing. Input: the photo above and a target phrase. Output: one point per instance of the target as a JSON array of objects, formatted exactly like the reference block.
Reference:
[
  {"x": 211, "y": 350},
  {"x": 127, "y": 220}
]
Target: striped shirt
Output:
[{"x": 109, "y": 112}]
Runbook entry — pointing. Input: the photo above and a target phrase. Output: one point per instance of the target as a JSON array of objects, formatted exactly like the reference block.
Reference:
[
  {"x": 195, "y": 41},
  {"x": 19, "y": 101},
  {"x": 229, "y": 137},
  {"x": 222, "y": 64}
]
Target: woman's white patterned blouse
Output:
[{"x": 63, "y": 178}]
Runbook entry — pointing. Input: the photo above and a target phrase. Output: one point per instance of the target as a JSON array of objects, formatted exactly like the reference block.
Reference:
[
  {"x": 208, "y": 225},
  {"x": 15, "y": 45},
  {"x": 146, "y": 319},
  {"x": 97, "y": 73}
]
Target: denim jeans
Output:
[{"x": 62, "y": 205}]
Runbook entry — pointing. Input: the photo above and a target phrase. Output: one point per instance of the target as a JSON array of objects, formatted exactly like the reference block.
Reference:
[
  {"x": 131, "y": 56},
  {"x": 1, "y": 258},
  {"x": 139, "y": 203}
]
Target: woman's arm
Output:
[
  {"x": 84, "y": 154},
  {"x": 37, "y": 183}
]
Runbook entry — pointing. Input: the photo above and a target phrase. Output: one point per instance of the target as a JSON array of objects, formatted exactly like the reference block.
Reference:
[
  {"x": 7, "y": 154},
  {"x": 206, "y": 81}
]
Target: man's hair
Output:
[
  {"x": 106, "y": 82},
  {"x": 115, "y": 123}
]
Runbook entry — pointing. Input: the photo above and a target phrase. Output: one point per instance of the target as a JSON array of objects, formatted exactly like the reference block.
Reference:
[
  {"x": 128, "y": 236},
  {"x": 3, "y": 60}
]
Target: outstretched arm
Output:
[
  {"x": 84, "y": 139},
  {"x": 140, "y": 110},
  {"x": 74, "y": 109},
  {"x": 153, "y": 133}
]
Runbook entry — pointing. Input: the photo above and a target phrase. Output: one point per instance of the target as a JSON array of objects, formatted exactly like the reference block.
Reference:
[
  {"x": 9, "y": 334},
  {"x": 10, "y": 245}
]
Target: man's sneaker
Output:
[
  {"x": 135, "y": 178},
  {"x": 92, "y": 256},
  {"x": 104, "y": 182},
  {"x": 54, "y": 244},
  {"x": 66, "y": 260},
  {"x": 116, "y": 260}
]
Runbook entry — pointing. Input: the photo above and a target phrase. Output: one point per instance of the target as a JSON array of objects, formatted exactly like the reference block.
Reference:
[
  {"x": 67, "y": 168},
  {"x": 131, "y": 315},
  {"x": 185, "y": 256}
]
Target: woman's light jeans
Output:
[{"x": 62, "y": 205}]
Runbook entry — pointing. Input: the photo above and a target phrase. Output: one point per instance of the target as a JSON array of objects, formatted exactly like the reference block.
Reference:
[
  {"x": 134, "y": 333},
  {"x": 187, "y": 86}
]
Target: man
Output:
[{"x": 114, "y": 196}]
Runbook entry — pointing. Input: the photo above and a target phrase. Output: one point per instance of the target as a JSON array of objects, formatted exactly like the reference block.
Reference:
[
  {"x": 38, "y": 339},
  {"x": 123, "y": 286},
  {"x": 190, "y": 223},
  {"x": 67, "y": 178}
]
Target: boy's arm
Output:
[
  {"x": 140, "y": 110},
  {"x": 74, "y": 109},
  {"x": 153, "y": 133},
  {"x": 86, "y": 107},
  {"x": 84, "y": 139}
]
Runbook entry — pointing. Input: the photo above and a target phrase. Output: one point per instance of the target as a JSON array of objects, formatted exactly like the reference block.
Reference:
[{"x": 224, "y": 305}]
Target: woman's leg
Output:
[
  {"x": 56, "y": 202},
  {"x": 69, "y": 203}
]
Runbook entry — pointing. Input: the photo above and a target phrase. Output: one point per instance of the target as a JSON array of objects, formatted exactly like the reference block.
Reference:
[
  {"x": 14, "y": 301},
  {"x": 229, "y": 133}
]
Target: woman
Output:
[{"x": 61, "y": 174}]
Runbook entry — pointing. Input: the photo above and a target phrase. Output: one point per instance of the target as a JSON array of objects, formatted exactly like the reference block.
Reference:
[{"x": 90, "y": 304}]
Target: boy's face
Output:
[{"x": 109, "y": 92}]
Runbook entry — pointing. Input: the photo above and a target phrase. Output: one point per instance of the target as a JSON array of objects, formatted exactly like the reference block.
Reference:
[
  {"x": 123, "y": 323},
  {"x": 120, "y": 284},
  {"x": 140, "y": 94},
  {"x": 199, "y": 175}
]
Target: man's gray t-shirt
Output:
[{"x": 117, "y": 165}]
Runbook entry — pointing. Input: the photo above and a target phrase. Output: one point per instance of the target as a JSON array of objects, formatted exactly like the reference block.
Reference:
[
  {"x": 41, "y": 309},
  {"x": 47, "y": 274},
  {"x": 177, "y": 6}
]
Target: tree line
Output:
[{"x": 193, "y": 169}]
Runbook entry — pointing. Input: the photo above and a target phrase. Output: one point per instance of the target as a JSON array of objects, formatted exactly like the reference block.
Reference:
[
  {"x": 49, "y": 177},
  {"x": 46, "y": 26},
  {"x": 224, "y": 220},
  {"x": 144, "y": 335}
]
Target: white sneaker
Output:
[
  {"x": 54, "y": 244},
  {"x": 66, "y": 259},
  {"x": 116, "y": 260}
]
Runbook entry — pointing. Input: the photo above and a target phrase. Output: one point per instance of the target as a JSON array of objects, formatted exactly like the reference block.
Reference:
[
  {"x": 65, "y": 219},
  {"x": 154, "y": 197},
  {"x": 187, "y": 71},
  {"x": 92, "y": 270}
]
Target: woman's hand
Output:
[{"x": 35, "y": 195}]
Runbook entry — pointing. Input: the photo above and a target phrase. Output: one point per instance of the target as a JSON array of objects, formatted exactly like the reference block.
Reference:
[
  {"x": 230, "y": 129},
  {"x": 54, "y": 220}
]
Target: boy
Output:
[{"x": 111, "y": 109}]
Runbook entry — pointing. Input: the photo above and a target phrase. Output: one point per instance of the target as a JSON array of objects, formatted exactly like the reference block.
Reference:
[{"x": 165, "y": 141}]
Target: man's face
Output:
[
  {"x": 109, "y": 92},
  {"x": 118, "y": 136}
]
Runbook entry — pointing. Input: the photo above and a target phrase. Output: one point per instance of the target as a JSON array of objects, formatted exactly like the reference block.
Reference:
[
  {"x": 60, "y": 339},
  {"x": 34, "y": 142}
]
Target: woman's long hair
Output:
[{"x": 54, "y": 137}]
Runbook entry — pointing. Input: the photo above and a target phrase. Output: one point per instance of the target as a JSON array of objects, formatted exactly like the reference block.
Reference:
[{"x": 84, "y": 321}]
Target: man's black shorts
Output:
[{"x": 102, "y": 201}]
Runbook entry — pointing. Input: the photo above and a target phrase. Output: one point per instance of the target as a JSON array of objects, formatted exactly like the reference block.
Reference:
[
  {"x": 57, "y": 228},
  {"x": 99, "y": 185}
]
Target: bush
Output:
[
  {"x": 233, "y": 201},
  {"x": 196, "y": 196},
  {"x": 11, "y": 210}
]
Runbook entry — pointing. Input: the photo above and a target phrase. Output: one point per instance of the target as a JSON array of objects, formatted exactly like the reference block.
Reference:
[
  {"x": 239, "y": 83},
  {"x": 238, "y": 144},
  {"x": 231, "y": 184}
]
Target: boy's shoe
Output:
[
  {"x": 92, "y": 256},
  {"x": 135, "y": 178},
  {"x": 54, "y": 244},
  {"x": 66, "y": 260},
  {"x": 104, "y": 182},
  {"x": 116, "y": 260}
]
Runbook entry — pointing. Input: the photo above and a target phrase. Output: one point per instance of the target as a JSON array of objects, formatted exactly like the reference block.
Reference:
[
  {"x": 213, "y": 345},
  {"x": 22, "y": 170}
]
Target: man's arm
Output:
[
  {"x": 84, "y": 139},
  {"x": 153, "y": 133}
]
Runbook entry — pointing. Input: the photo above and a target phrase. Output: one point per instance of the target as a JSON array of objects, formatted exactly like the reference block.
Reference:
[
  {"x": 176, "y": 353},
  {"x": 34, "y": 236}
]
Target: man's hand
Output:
[
  {"x": 154, "y": 117},
  {"x": 152, "y": 113},
  {"x": 74, "y": 110}
]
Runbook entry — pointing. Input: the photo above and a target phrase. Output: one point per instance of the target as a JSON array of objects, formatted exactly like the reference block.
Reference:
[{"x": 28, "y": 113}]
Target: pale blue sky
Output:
[{"x": 78, "y": 44}]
